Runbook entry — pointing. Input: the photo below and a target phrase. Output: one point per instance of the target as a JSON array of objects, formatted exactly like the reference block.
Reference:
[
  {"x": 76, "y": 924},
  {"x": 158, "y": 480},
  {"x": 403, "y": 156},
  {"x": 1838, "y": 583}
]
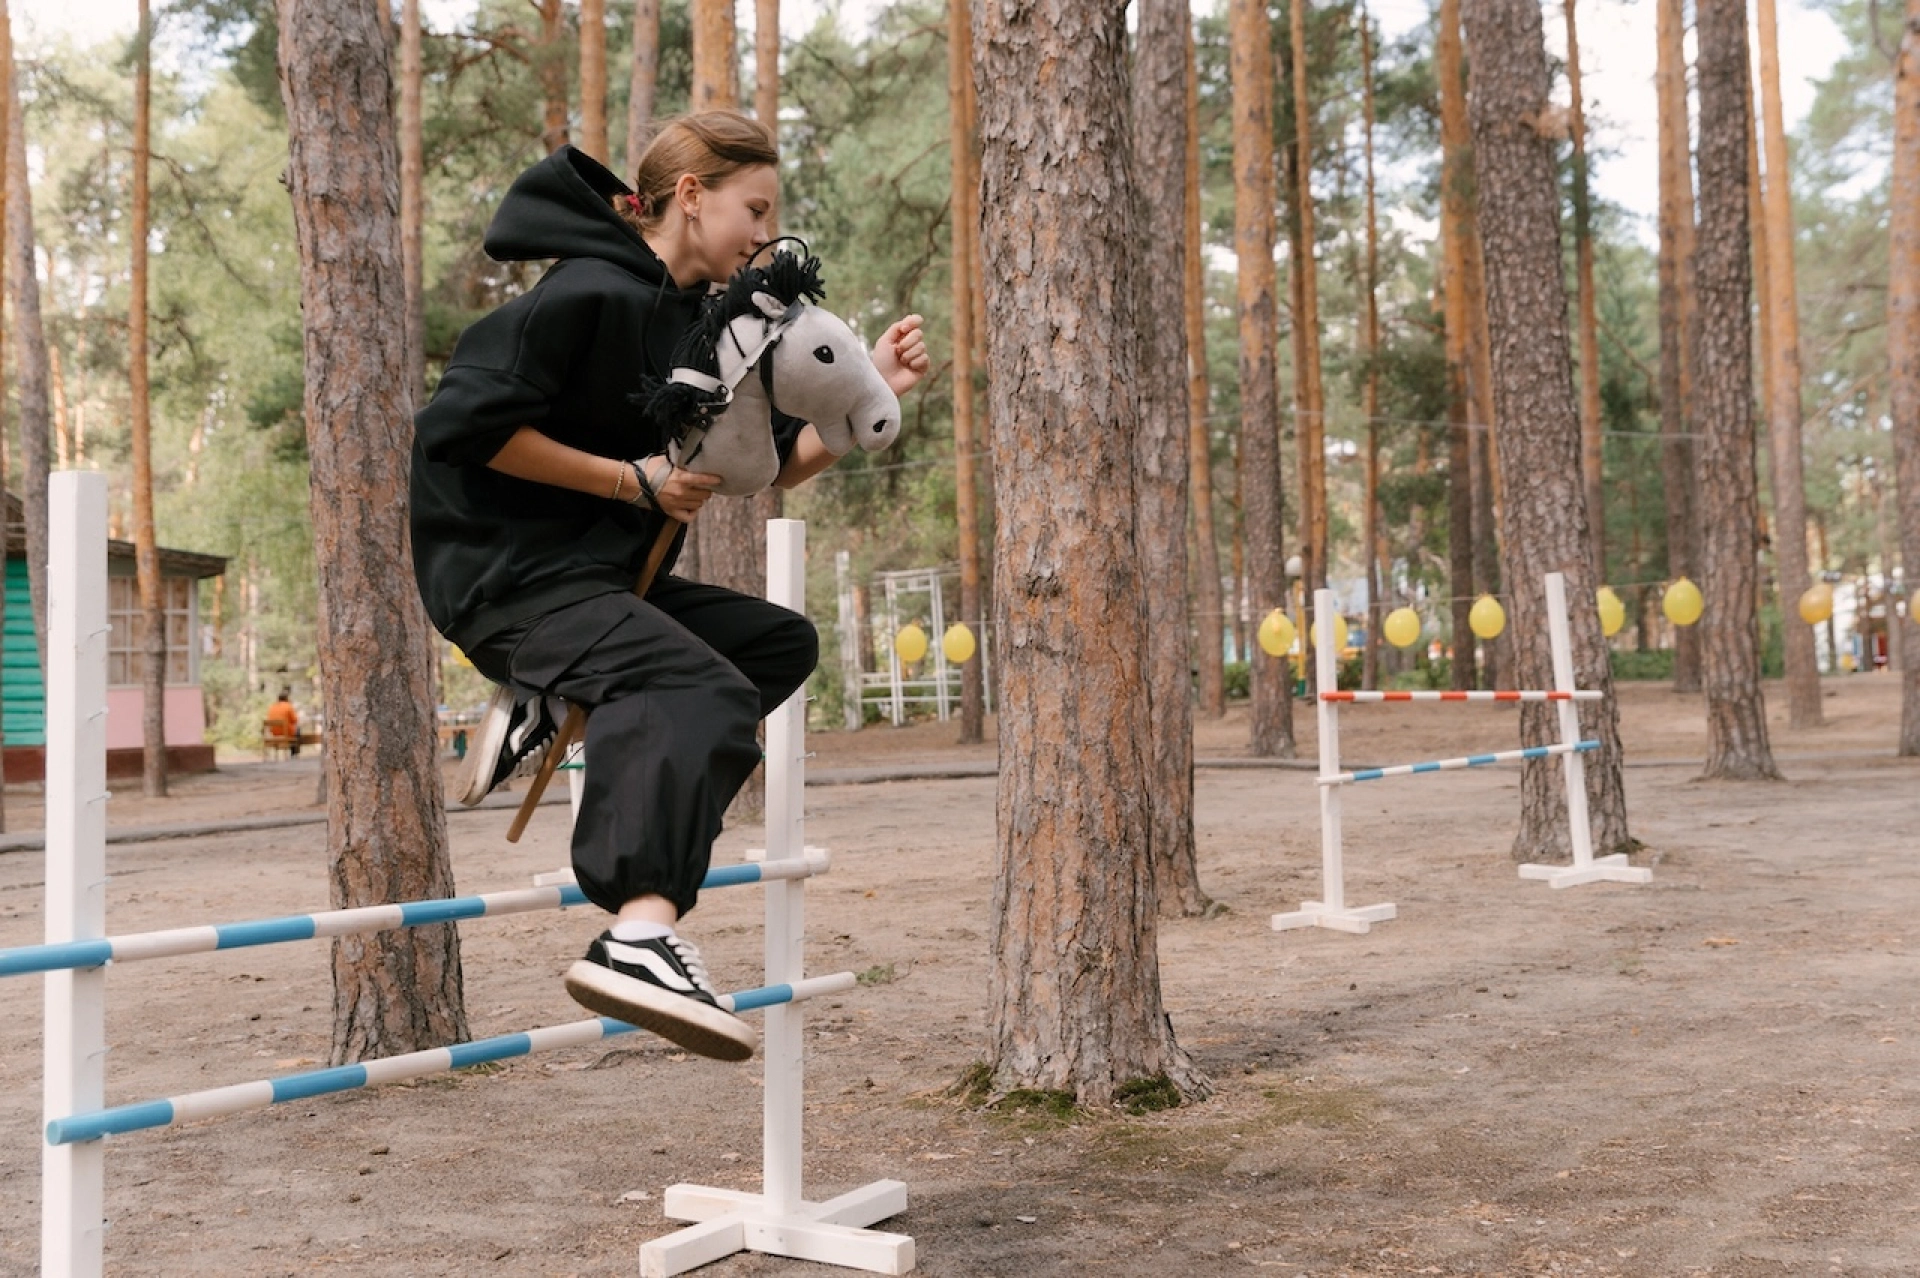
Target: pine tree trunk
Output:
[
  {"x": 966, "y": 225},
  {"x": 1370, "y": 395},
  {"x": 1737, "y": 747},
  {"x": 1313, "y": 422},
  {"x": 766, "y": 63},
  {"x": 716, "y": 62},
  {"x": 30, "y": 363},
  {"x": 1544, "y": 521},
  {"x": 1074, "y": 999},
  {"x": 1783, "y": 419},
  {"x": 394, "y": 991},
  {"x": 146, "y": 546},
  {"x": 593, "y": 80},
  {"x": 1456, "y": 213},
  {"x": 1207, "y": 603},
  {"x": 550, "y": 63},
  {"x": 1903, "y": 359},
  {"x": 413, "y": 193},
  {"x": 1259, "y": 471},
  {"x": 1678, "y": 475},
  {"x": 1159, "y": 104},
  {"x": 1592, "y": 454},
  {"x": 643, "y": 77}
]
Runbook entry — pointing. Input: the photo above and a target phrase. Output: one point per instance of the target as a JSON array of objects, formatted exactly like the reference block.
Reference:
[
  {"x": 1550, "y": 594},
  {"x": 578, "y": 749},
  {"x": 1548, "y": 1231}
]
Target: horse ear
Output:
[{"x": 769, "y": 305}]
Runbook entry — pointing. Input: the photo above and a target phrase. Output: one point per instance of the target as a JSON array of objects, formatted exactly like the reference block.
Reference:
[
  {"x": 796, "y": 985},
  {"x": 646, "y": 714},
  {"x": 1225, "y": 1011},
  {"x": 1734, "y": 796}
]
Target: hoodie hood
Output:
[{"x": 563, "y": 207}]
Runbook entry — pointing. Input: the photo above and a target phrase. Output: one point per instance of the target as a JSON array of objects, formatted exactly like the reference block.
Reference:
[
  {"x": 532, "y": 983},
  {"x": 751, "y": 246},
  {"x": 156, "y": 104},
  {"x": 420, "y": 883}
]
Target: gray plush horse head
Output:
[{"x": 809, "y": 364}]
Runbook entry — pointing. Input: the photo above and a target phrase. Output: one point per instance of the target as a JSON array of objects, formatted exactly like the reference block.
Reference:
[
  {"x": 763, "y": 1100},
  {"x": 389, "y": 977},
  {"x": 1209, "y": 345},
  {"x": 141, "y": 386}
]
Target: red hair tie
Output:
[{"x": 635, "y": 204}]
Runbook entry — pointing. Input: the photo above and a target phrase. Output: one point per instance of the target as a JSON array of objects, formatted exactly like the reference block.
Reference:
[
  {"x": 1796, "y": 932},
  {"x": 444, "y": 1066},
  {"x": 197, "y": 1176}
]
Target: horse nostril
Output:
[{"x": 880, "y": 427}]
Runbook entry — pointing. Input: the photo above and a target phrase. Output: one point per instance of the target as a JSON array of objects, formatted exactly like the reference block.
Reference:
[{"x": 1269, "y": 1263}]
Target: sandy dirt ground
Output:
[{"x": 1716, "y": 1073}]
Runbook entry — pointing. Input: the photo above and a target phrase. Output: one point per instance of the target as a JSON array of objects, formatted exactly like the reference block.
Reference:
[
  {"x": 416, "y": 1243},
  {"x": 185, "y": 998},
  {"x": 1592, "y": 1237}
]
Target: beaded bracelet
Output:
[{"x": 619, "y": 478}]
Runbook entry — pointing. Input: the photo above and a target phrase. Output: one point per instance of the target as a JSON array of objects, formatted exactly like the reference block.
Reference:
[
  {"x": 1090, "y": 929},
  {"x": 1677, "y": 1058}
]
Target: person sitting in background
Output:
[{"x": 283, "y": 722}]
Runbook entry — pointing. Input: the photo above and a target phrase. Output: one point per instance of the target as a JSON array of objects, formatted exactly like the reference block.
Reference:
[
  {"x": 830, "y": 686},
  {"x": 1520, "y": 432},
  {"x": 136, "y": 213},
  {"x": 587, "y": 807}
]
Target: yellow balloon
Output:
[
  {"x": 958, "y": 643},
  {"x": 1402, "y": 627},
  {"x": 1613, "y": 613},
  {"x": 1488, "y": 618},
  {"x": 1682, "y": 603},
  {"x": 1339, "y": 633},
  {"x": 910, "y": 644},
  {"x": 1276, "y": 634},
  {"x": 1817, "y": 604}
]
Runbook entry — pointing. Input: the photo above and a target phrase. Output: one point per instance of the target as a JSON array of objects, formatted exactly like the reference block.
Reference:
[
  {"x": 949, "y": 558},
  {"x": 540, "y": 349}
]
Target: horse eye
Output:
[{"x": 824, "y": 354}]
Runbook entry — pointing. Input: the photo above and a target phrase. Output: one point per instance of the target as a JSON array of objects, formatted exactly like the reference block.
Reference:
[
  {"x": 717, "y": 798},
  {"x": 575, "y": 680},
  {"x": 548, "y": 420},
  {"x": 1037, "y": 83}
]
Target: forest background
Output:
[{"x": 867, "y": 183}]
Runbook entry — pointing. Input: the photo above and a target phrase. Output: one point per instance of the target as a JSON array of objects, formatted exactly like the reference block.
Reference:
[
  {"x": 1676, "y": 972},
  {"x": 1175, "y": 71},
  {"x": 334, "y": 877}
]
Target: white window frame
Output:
[{"x": 183, "y": 625}]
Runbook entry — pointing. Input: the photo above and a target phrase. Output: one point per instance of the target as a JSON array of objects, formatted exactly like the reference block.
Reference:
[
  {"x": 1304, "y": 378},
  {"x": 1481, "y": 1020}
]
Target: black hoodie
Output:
[{"x": 564, "y": 358}]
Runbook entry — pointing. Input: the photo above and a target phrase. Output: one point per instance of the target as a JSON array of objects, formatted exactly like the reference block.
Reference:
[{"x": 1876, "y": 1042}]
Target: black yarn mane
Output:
[{"x": 674, "y": 408}]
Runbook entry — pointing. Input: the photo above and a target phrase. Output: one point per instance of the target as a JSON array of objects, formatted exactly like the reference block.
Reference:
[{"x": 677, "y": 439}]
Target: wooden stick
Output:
[{"x": 576, "y": 720}]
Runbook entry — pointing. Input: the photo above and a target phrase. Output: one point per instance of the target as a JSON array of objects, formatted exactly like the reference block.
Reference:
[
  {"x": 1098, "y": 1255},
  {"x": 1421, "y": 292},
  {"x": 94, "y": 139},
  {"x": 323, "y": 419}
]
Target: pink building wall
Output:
[{"x": 186, "y": 717}]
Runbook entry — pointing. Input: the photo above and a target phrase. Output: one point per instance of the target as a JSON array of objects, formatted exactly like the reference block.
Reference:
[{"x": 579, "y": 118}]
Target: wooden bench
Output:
[{"x": 275, "y": 741}]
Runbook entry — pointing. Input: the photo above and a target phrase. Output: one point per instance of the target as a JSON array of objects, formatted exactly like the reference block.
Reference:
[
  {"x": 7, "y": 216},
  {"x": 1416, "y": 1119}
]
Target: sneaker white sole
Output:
[
  {"x": 696, "y": 1026},
  {"x": 483, "y": 753}
]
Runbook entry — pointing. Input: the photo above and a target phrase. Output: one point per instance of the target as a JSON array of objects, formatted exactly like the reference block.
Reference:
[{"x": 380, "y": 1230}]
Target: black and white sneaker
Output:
[
  {"x": 659, "y": 985},
  {"x": 510, "y": 731}
]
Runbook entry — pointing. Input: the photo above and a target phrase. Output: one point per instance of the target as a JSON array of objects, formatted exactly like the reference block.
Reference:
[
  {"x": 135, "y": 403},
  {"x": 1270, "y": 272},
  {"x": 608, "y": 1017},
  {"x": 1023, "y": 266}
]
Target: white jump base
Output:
[
  {"x": 833, "y": 1233},
  {"x": 1333, "y": 912}
]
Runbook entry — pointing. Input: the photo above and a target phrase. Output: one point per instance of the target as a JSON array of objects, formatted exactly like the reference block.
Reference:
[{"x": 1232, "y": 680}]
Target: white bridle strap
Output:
[
  {"x": 701, "y": 381},
  {"x": 770, "y": 332}
]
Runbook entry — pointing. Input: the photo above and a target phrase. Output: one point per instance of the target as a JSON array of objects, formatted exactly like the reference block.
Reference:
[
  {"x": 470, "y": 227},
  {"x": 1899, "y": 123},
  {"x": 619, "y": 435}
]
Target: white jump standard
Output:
[
  {"x": 1333, "y": 912},
  {"x": 78, "y": 950},
  {"x": 778, "y": 1220}
]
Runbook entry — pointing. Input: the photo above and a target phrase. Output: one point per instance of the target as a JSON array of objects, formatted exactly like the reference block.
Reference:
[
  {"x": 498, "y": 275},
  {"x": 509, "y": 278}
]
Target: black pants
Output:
[{"x": 674, "y": 686}]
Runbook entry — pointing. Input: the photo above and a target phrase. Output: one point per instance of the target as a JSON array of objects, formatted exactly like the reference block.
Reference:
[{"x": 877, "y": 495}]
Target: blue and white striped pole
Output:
[
  {"x": 1464, "y": 761},
  {"x": 64, "y": 955},
  {"x": 218, "y": 1102}
]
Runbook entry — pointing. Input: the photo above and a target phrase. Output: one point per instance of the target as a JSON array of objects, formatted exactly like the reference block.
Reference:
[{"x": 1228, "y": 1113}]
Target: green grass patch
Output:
[
  {"x": 1037, "y": 1106},
  {"x": 1147, "y": 1095},
  {"x": 878, "y": 974}
]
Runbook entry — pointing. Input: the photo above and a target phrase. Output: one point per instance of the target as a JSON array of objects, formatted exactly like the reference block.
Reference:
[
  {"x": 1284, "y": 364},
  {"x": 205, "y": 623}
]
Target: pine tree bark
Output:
[
  {"x": 1159, "y": 103},
  {"x": 643, "y": 78},
  {"x": 30, "y": 364},
  {"x": 1737, "y": 746},
  {"x": 965, "y": 203},
  {"x": 1456, "y": 231},
  {"x": 1787, "y": 471},
  {"x": 716, "y": 60},
  {"x": 394, "y": 991},
  {"x": 413, "y": 193},
  {"x": 1251, "y": 67},
  {"x": 1370, "y": 394},
  {"x": 593, "y": 80},
  {"x": 1678, "y": 475},
  {"x": 1592, "y": 454},
  {"x": 1074, "y": 1001},
  {"x": 1208, "y": 605},
  {"x": 1903, "y": 359},
  {"x": 146, "y": 545},
  {"x": 1544, "y": 525},
  {"x": 550, "y": 65},
  {"x": 1312, "y": 430}
]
